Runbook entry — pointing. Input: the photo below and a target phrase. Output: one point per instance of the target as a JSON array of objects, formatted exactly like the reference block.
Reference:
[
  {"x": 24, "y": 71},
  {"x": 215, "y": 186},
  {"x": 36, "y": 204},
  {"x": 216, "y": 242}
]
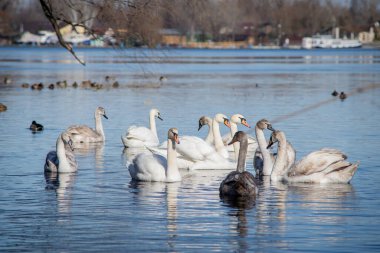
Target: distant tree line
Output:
[{"x": 139, "y": 22}]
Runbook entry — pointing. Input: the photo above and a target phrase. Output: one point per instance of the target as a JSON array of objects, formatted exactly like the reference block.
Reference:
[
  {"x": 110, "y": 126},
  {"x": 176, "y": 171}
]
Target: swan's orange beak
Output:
[
  {"x": 244, "y": 122},
  {"x": 227, "y": 123}
]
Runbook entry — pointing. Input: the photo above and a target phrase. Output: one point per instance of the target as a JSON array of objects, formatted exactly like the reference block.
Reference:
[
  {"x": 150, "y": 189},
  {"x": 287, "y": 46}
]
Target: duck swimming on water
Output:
[{"x": 35, "y": 127}]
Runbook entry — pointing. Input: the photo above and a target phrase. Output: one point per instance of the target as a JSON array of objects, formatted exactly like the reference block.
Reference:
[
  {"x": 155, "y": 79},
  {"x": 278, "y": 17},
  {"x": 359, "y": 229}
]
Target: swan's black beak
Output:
[
  {"x": 269, "y": 126},
  {"x": 159, "y": 116},
  {"x": 176, "y": 138},
  {"x": 105, "y": 116},
  {"x": 270, "y": 143},
  {"x": 70, "y": 142},
  {"x": 200, "y": 126},
  {"x": 233, "y": 140}
]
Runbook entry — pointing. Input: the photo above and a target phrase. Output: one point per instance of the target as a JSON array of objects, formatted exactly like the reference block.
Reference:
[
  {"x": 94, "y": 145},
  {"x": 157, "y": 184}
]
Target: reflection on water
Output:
[
  {"x": 95, "y": 149},
  {"x": 99, "y": 208},
  {"x": 62, "y": 184}
]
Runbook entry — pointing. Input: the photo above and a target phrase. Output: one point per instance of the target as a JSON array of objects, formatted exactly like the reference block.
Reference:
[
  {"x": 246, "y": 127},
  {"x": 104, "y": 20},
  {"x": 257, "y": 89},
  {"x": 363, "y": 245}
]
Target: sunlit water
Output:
[{"x": 100, "y": 209}]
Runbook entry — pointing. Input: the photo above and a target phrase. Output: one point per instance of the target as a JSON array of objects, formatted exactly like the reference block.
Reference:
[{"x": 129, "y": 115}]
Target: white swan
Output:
[
  {"x": 151, "y": 167},
  {"x": 62, "y": 160},
  {"x": 239, "y": 183},
  {"x": 322, "y": 166},
  {"x": 84, "y": 134},
  {"x": 263, "y": 154},
  {"x": 195, "y": 153},
  {"x": 252, "y": 143},
  {"x": 138, "y": 137}
]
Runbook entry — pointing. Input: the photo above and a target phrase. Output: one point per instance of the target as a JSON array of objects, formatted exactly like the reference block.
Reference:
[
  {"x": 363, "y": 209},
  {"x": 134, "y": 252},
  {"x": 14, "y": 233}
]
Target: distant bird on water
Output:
[
  {"x": 334, "y": 93},
  {"x": 35, "y": 127},
  {"x": 342, "y": 95},
  {"x": 3, "y": 107}
]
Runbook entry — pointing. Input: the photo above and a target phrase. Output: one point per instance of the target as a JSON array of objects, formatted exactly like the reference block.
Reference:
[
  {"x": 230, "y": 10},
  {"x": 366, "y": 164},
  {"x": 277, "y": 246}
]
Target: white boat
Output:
[{"x": 327, "y": 41}]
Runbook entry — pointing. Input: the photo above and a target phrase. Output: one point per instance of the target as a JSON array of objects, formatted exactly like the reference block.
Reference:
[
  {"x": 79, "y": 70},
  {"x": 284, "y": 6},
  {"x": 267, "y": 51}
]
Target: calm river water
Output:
[{"x": 99, "y": 209}]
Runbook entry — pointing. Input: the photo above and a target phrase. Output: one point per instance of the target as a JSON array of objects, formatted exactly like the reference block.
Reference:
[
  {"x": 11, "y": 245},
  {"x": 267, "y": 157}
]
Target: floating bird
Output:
[
  {"x": 153, "y": 167},
  {"x": 61, "y": 160},
  {"x": 323, "y": 166},
  {"x": 139, "y": 136},
  {"x": 263, "y": 154},
  {"x": 7, "y": 80},
  {"x": 85, "y": 134},
  {"x": 35, "y": 127},
  {"x": 51, "y": 86},
  {"x": 334, "y": 93},
  {"x": 3, "y": 107},
  {"x": 25, "y": 85},
  {"x": 342, "y": 95},
  {"x": 239, "y": 183}
]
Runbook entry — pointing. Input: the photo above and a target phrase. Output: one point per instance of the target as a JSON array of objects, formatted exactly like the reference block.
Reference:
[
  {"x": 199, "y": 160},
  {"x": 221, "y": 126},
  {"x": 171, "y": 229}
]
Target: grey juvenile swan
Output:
[
  {"x": 322, "y": 166},
  {"x": 85, "y": 134},
  {"x": 263, "y": 160},
  {"x": 239, "y": 183},
  {"x": 62, "y": 160}
]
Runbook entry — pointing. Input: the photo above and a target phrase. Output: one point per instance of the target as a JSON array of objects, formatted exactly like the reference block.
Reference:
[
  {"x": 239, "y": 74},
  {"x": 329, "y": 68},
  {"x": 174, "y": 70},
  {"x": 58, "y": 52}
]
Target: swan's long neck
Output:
[
  {"x": 242, "y": 155},
  {"x": 233, "y": 130},
  {"x": 268, "y": 164},
  {"x": 152, "y": 123},
  {"x": 64, "y": 165},
  {"x": 172, "y": 171},
  {"x": 219, "y": 146},
  {"x": 99, "y": 125},
  {"x": 210, "y": 136},
  {"x": 279, "y": 167}
]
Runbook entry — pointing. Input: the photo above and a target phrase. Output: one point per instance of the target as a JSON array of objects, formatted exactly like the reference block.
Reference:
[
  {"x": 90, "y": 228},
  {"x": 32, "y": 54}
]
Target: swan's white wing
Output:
[
  {"x": 213, "y": 165},
  {"x": 195, "y": 149},
  {"x": 316, "y": 161},
  {"x": 148, "y": 167},
  {"x": 182, "y": 163}
]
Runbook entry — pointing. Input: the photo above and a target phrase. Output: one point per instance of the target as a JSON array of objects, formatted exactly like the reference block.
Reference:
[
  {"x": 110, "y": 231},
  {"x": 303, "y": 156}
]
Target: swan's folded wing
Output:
[
  {"x": 316, "y": 161},
  {"x": 81, "y": 130},
  {"x": 148, "y": 167},
  {"x": 141, "y": 133},
  {"x": 194, "y": 148}
]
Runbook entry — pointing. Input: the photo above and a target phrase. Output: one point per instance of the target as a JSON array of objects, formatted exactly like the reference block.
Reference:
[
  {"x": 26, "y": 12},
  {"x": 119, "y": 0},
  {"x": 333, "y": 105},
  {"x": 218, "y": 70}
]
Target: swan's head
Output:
[
  {"x": 204, "y": 120},
  {"x": 173, "y": 135},
  {"x": 264, "y": 124},
  {"x": 221, "y": 118},
  {"x": 239, "y": 119},
  {"x": 276, "y": 136},
  {"x": 239, "y": 136},
  {"x": 67, "y": 140},
  {"x": 100, "y": 111},
  {"x": 156, "y": 113}
]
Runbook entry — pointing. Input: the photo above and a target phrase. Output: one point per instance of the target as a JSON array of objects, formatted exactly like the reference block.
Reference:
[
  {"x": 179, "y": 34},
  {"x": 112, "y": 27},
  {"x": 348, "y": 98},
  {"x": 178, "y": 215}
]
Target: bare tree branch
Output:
[{"x": 47, "y": 8}]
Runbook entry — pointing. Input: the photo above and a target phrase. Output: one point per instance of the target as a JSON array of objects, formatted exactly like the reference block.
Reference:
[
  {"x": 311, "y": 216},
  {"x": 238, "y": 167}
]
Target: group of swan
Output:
[
  {"x": 63, "y": 160},
  {"x": 322, "y": 166}
]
